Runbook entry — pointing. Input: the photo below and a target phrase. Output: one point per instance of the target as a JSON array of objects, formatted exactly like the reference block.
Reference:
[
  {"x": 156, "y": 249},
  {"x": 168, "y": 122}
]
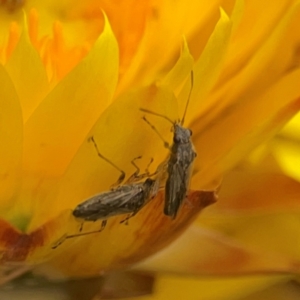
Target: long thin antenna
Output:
[
  {"x": 166, "y": 144},
  {"x": 122, "y": 176},
  {"x": 189, "y": 97},
  {"x": 157, "y": 114}
]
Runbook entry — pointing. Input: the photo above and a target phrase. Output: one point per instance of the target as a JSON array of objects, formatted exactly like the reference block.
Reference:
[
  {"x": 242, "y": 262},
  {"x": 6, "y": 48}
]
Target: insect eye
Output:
[{"x": 176, "y": 139}]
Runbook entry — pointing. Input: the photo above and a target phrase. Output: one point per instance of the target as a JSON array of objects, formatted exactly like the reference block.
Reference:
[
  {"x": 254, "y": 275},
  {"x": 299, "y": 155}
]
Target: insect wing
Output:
[
  {"x": 179, "y": 170},
  {"x": 175, "y": 190},
  {"x": 107, "y": 204}
]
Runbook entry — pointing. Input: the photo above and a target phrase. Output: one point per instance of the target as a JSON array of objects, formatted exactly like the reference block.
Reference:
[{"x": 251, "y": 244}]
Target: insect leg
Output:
[
  {"x": 59, "y": 242},
  {"x": 81, "y": 227},
  {"x": 128, "y": 217},
  {"x": 103, "y": 225},
  {"x": 136, "y": 176},
  {"x": 65, "y": 237},
  {"x": 122, "y": 176},
  {"x": 147, "y": 168}
]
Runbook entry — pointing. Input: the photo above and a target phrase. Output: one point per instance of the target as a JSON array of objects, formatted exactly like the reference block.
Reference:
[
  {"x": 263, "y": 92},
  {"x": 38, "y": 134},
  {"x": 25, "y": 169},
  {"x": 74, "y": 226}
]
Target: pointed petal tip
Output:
[{"x": 203, "y": 198}]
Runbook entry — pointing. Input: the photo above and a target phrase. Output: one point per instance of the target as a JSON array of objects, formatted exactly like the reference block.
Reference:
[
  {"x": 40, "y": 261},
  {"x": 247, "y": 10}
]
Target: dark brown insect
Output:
[
  {"x": 127, "y": 199},
  {"x": 180, "y": 162}
]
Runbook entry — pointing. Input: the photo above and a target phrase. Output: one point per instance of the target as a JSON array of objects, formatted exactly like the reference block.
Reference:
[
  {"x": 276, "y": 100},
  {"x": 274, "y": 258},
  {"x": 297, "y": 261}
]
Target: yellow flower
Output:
[{"x": 69, "y": 72}]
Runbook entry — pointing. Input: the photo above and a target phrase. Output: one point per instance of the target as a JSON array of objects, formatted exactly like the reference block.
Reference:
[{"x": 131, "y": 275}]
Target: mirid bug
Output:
[
  {"x": 180, "y": 162},
  {"x": 126, "y": 199}
]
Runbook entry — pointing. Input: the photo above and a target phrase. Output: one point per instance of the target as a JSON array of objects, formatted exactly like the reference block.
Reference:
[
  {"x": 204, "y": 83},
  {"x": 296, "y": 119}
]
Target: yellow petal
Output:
[
  {"x": 272, "y": 234},
  {"x": 276, "y": 107},
  {"x": 31, "y": 80},
  {"x": 176, "y": 287},
  {"x": 168, "y": 22},
  {"x": 59, "y": 124},
  {"x": 209, "y": 251},
  {"x": 258, "y": 190},
  {"x": 208, "y": 66},
  {"x": 91, "y": 174},
  {"x": 252, "y": 228},
  {"x": 252, "y": 33},
  {"x": 285, "y": 148},
  {"x": 34, "y": 247},
  {"x": 181, "y": 69},
  {"x": 11, "y": 138},
  {"x": 233, "y": 109},
  {"x": 146, "y": 233}
]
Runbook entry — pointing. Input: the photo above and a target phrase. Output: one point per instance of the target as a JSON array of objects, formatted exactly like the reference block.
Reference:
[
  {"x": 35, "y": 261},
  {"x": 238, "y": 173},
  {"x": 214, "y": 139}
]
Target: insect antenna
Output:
[
  {"x": 189, "y": 97},
  {"x": 157, "y": 114},
  {"x": 122, "y": 176},
  {"x": 166, "y": 144}
]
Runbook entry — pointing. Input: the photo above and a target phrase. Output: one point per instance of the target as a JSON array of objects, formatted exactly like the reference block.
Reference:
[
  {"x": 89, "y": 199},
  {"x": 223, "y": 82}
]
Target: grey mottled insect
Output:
[
  {"x": 125, "y": 199},
  {"x": 180, "y": 162}
]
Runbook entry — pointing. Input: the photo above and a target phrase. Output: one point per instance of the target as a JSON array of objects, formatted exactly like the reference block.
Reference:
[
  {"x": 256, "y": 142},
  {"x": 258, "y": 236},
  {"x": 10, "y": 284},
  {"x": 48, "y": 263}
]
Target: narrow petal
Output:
[
  {"x": 258, "y": 191},
  {"x": 209, "y": 65},
  {"x": 145, "y": 234},
  {"x": 252, "y": 228},
  {"x": 270, "y": 233},
  {"x": 252, "y": 33},
  {"x": 34, "y": 247},
  {"x": 54, "y": 131},
  {"x": 11, "y": 139},
  {"x": 31, "y": 80},
  {"x": 181, "y": 69},
  {"x": 168, "y": 23},
  {"x": 276, "y": 107},
  {"x": 286, "y": 148},
  {"x": 123, "y": 142},
  {"x": 202, "y": 251},
  {"x": 178, "y": 287}
]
